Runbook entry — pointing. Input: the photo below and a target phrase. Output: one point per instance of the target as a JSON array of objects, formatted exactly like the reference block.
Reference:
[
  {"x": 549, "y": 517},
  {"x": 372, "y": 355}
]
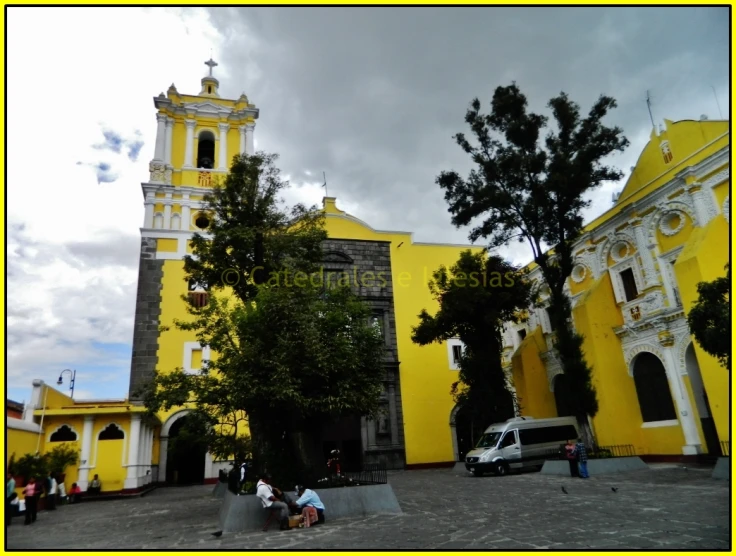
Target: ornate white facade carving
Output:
[{"x": 725, "y": 208}]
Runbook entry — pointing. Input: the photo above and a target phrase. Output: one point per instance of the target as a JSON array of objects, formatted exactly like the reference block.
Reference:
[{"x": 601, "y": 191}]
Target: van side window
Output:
[{"x": 547, "y": 435}]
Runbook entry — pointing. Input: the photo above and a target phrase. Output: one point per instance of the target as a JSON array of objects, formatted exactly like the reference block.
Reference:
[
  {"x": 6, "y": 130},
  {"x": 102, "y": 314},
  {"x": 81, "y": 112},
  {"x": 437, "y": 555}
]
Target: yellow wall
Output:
[
  {"x": 535, "y": 397},
  {"x": 20, "y": 443},
  {"x": 702, "y": 259}
]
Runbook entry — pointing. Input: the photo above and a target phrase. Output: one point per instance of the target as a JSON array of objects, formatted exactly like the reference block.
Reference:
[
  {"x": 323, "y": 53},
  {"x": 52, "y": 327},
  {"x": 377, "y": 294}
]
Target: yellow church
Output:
[{"x": 637, "y": 267}]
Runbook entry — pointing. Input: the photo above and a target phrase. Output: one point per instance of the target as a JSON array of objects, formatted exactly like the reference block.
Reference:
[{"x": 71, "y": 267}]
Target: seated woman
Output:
[
  {"x": 313, "y": 510},
  {"x": 75, "y": 494}
]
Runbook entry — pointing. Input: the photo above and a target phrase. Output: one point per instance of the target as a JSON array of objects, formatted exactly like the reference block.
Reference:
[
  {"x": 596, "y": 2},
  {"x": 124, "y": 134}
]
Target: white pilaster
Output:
[
  {"x": 241, "y": 129},
  {"x": 160, "y": 137},
  {"x": 647, "y": 261},
  {"x": 249, "y": 148},
  {"x": 682, "y": 403},
  {"x": 224, "y": 128},
  {"x": 208, "y": 466},
  {"x": 702, "y": 204},
  {"x": 167, "y": 216},
  {"x": 169, "y": 135},
  {"x": 84, "y": 460},
  {"x": 163, "y": 452},
  {"x": 189, "y": 148},
  {"x": 131, "y": 481},
  {"x": 148, "y": 217}
]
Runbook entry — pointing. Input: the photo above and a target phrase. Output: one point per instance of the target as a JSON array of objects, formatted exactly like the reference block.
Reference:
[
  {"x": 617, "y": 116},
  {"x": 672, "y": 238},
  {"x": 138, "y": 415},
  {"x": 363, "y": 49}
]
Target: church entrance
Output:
[
  {"x": 186, "y": 454},
  {"x": 344, "y": 435}
]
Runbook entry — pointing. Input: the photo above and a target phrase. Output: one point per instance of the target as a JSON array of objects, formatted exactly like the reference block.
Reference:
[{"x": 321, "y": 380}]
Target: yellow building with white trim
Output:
[{"x": 637, "y": 269}]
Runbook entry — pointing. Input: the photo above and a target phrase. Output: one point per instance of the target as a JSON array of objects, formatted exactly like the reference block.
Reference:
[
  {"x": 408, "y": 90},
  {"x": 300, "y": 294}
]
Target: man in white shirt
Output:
[{"x": 268, "y": 496}]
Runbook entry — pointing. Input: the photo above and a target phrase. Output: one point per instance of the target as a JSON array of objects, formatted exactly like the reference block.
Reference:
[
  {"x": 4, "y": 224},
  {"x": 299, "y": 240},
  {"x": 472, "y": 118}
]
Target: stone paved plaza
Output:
[{"x": 665, "y": 507}]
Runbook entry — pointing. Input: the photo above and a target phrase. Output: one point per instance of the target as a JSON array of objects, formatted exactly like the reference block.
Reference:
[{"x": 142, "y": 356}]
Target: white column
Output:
[
  {"x": 160, "y": 137},
  {"x": 141, "y": 451},
  {"x": 185, "y": 213},
  {"x": 702, "y": 205},
  {"x": 224, "y": 128},
  {"x": 682, "y": 402},
  {"x": 148, "y": 218},
  {"x": 249, "y": 148},
  {"x": 167, "y": 216},
  {"x": 84, "y": 460},
  {"x": 241, "y": 129},
  {"x": 134, "y": 440},
  {"x": 169, "y": 135},
  {"x": 189, "y": 149},
  {"x": 208, "y": 474},
  {"x": 149, "y": 450},
  {"x": 163, "y": 452}
]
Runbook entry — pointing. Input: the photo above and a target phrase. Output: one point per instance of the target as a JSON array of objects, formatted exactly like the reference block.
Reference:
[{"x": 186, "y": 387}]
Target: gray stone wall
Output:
[
  {"x": 383, "y": 438},
  {"x": 147, "y": 317}
]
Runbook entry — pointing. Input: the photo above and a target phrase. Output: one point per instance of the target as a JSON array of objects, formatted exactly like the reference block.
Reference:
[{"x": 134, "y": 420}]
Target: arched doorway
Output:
[
  {"x": 701, "y": 402},
  {"x": 206, "y": 150},
  {"x": 563, "y": 395},
  {"x": 185, "y": 461},
  {"x": 653, "y": 389}
]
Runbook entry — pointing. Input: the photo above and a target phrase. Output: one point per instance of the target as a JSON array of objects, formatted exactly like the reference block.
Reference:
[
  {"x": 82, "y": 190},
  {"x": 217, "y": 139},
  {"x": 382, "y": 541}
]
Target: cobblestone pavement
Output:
[{"x": 665, "y": 507}]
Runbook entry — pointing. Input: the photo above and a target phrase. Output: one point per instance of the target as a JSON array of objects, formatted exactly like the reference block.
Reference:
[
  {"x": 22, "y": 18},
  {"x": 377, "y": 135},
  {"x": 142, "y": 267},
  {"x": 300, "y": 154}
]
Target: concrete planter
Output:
[
  {"x": 219, "y": 490},
  {"x": 722, "y": 469},
  {"x": 596, "y": 466},
  {"x": 246, "y": 513}
]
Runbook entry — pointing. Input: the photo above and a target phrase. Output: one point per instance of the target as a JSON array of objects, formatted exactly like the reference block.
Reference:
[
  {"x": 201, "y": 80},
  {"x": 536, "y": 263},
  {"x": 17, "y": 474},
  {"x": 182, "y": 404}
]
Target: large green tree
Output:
[
  {"x": 476, "y": 296},
  {"x": 532, "y": 189},
  {"x": 709, "y": 318},
  {"x": 289, "y": 354}
]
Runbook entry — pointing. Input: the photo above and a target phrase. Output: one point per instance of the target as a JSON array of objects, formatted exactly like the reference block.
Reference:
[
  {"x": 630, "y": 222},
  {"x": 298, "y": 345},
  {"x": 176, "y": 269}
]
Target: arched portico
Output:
[{"x": 209, "y": 471}]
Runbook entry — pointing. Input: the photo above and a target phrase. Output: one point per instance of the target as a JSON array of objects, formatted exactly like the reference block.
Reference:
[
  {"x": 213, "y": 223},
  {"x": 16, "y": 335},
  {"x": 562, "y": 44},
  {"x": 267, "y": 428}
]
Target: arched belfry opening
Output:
[{"x": 206, "y": 150}]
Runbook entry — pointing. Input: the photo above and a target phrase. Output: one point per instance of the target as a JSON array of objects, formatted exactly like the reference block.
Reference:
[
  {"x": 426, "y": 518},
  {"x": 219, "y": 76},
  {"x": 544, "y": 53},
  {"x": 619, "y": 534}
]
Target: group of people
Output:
[
  {"x": 307, "y": 503},
  {"x": 34, "y": 489},
  {"x": 577, "y": 457}
]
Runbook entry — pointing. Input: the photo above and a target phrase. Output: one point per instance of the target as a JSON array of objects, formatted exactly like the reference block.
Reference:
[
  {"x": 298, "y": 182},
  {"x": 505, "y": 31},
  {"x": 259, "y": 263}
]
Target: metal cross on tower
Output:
[{"x": 211, "y": 63}]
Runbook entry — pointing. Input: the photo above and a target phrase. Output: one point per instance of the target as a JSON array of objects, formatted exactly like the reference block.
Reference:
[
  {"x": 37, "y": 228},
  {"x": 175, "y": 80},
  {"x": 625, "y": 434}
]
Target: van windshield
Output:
[{"x": 489, "y": 440}]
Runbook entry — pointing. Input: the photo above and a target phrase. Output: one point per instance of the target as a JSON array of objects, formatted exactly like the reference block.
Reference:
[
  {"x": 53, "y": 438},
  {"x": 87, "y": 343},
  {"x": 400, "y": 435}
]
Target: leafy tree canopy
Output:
[
  {"x": 709, "y": 318},
  {"x": 476, "y": 296},
  {"x": 531, "y": 189}
]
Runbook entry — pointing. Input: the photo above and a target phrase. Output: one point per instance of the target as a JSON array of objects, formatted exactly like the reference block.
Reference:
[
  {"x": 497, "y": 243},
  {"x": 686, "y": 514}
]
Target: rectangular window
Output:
[
  {"x": 629, "y": 283},
  {"x": 522, "y": 334},
  {"x": 457, "y": 353},
  {"x": 378, "y": 323}
]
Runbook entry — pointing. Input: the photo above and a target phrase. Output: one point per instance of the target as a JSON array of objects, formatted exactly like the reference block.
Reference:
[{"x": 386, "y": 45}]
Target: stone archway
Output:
[
  {"x": 453, "y": 433},
  {"x": 163, "y": 460}
]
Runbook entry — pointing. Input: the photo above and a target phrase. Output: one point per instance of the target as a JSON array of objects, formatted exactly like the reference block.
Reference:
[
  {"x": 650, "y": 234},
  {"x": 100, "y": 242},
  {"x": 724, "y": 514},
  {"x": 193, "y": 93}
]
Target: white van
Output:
[{"x": 519, "y": 442}]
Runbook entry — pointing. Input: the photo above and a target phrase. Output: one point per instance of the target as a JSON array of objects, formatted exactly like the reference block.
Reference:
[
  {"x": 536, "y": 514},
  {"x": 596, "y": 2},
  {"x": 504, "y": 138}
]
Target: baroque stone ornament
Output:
[
  {"x": 672, "y": 222},
  {"x": 579, "y": 273},
  {"x": 167, "y": 174},
  {"x": 666, "y": 338},
  {"x": 726, "y": 208},
  {"x": 157, "y": 171}
]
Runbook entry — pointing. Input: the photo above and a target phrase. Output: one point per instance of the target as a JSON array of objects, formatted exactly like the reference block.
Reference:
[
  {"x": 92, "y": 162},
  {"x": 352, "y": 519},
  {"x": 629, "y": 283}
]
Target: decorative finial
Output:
[{"x": 211, "y": 63}]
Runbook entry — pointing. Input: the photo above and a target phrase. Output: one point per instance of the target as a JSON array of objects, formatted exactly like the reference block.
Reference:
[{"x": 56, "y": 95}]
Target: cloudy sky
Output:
[{"x": 370, "y": 96}]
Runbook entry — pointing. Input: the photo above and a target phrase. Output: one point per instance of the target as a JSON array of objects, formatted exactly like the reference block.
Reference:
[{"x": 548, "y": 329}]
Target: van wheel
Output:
[
  {"x": 477, "y": 473},
  {"x": 501, "y": 469}
]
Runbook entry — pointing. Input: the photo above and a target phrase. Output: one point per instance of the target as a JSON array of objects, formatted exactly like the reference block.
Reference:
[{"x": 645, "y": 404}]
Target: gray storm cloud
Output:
[{"x": 373, "y": 96}]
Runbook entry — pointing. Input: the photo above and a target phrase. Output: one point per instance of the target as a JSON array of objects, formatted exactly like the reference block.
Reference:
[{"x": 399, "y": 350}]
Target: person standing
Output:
[
  {"x": 9, "y": 497},
  {"x": 30, "y": 494},
  {"x": 571, "y": 458},
  {"x": 243, "y": 474},
  {"x": 51, "y": 488},
  {"x": 582, "y": 457}
]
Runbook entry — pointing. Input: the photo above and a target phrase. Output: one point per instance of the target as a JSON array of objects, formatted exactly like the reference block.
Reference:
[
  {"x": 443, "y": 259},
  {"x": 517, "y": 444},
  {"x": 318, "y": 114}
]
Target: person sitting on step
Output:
[
  {"x": 95, "y": 487},
  {"x": 270, "y": 499},
  {"x": 309, "y": 499}
]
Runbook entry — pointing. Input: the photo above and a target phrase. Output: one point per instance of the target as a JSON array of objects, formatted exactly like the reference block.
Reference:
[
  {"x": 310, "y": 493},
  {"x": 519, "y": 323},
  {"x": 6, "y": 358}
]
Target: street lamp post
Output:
[{"x": 71, "y": 383}]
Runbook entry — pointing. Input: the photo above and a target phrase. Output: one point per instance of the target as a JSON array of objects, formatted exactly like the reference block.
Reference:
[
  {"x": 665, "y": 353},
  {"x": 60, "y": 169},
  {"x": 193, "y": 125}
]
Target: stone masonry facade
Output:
[
  {"x": 147, "y": 318},
  {"x": 383, "y": 438}
]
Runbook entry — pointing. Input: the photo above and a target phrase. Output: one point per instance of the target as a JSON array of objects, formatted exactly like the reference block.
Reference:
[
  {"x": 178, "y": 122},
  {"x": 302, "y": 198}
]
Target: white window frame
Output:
[
  {"x": 618, "y": 285},
  {"x": 451, "y": 359},
  {"x": 189, "y": 348}
]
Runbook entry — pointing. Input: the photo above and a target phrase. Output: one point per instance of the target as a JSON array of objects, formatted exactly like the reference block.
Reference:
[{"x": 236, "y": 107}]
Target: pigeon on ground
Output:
[
  {"x": 614, "y": 489},
  {"x": 217, "y": 534},
  {"x": 563, "y": 490}
]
